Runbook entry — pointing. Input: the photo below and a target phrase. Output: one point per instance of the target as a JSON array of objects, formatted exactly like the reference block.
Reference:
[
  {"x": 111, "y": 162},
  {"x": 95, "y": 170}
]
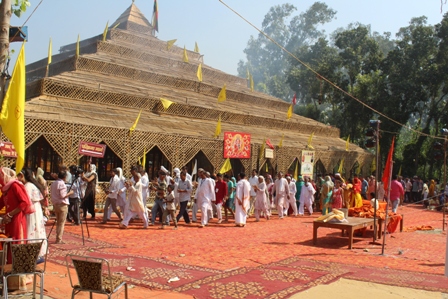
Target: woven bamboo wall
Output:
[
  {"x": 179, "y": 150},
  {"x": 69, "y": 90}
]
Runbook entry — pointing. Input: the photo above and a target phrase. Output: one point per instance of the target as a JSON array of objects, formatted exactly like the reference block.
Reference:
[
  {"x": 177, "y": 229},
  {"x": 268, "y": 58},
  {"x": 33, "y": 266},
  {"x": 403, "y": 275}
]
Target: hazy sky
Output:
[{"x": 221, "y": 35}]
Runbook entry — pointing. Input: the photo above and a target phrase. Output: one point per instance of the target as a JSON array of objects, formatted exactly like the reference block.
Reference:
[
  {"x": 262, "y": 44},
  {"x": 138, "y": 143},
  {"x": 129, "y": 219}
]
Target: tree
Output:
[
  {"x": 266, "y": 61},
  {"x": 7, "y": 8}
]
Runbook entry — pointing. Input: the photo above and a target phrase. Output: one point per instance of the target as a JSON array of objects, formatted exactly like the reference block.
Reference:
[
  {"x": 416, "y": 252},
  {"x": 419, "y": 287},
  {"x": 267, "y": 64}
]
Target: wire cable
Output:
[{"x": 327, "y": 80}]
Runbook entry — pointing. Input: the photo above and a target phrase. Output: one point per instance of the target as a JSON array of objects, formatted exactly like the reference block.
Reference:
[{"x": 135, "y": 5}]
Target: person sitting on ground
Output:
[{"x": 170, "y": 207}]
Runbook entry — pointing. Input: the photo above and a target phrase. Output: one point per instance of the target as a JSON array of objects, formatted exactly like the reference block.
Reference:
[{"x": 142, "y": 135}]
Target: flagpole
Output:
[
  {"x": 377, "y": 133},
  {"x": 387, "y": 206}
]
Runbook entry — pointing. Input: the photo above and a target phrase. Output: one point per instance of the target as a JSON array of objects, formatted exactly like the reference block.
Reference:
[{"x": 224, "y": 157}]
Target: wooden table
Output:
[{"x": 353, "y": 224}]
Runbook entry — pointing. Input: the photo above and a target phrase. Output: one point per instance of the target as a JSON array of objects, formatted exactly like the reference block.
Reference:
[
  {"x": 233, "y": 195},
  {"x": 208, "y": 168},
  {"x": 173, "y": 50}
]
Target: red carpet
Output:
[{"x": 268, "y": 259}]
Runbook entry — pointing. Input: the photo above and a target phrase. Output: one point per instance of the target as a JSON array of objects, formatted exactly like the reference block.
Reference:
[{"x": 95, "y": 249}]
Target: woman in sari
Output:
[
  {"x": 15, "y": 199},
  {"x": 337, "y": 195},
  {"x": 35, "y": 221},
  {"x": 357, "y": 198},
  {"x": 326, "y": 194}
]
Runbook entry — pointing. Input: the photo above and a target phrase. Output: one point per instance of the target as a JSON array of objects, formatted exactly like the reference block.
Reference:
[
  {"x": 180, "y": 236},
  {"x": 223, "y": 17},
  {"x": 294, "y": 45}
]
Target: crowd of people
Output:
[{"x": 218, "y": 196}]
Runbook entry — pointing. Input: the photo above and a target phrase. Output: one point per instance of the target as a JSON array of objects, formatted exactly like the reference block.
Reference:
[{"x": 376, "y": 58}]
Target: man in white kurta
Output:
[
  {"x": 135, "y": 203},
  {"x": 242, "y": 200},
  {"x": 281, "y": 189},
  {"x": 253, "y": 181},
  {"x": 306, "y": 197},
  {"x": 205, "y": 194},
  {"x": 291, "y": 202}
]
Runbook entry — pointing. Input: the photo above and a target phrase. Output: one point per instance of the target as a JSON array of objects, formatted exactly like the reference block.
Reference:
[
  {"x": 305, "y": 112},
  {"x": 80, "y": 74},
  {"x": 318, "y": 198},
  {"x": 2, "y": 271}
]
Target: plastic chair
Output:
[
  {"x": 24, "y": 256},
  {"x": 94, "y": 276}
]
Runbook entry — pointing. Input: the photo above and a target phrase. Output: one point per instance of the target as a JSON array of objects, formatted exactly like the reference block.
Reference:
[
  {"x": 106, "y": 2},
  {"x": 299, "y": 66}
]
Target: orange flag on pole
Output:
[{"x": 389, "y": 167}]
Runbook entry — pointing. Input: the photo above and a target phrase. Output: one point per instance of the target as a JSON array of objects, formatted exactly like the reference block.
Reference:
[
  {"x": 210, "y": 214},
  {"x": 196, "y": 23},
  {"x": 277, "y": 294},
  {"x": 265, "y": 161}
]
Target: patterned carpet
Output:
[{"x": 266, "y": 259}]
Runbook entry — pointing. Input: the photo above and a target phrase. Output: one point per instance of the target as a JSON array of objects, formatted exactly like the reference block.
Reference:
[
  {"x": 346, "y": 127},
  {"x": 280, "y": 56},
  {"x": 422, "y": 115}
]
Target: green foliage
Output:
[{"x": 19, "y": 6}]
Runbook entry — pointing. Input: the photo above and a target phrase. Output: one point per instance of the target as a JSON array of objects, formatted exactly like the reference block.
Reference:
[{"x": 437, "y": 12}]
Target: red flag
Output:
[
  {"x": 268, "y": 143},
  {"x": 294, "y": 100},
  {"x": 389, "y": 165}
]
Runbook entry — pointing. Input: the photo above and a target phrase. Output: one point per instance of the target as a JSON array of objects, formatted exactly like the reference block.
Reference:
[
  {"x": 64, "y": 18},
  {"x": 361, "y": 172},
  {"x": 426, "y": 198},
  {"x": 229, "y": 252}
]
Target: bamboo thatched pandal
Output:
[{"x": 97, "y": 96}]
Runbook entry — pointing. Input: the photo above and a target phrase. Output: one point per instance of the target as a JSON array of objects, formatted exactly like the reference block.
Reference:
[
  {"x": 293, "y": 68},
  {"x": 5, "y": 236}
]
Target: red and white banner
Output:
[
  {"x": 91, "y": 149},
  {"x": 7, "y": 149}
]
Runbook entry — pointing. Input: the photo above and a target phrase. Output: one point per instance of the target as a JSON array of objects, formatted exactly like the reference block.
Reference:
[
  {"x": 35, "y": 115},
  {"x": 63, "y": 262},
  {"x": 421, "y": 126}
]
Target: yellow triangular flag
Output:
[
  {"x": 280, "y": 144},
  {"x": 116, "y": 26},
  {"x": 131, "y": 129},
  {"x": 341, "y": 166},
  {"x": 166, "y": 103},
  {"x": 144, "y": 158},
  {"x": 289, "y": 113},
  {"x": 199, "y": 72},
  {"x": 196, "y": 48},
  {"x": 50, "y": 46},
  {"x": 222, "y": 96},
  {"x": 296, "y": 171},
  {"x": 267, "y": 167},
  {"x": 12, "y": 119},
  {"x": 247, "y": 74},
  {"x": 218, "y": 127},
  {"x": 226, "y": 166},
  {"x": 77, "y": 47},
  {"x": 310, "y": 140},
  {"x": 251, "y": 83},
  {"x": 185, "y": 55},
  {"x": 347, "y": 143},
  {"x": 170, "y": 43},
  {"x": 139, "y": 160},
  {"x": 105, "y": 31}
]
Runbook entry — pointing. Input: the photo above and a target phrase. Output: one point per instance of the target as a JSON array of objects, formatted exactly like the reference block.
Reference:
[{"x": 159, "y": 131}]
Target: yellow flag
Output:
[
  {"x": 50, "y": 46},
  {"x": 358, "y": 170},
  {"x": 196, "y": 48},
  {"x": 341, "y": 166},
  {"x": 185, "y": 55},
  {"x": 310, "y": 140},
  {"x": 347, "y": 143},
  {"x": 399, "y": 171},
  {"x": 105, "y": 31},
  {"x": 373, "y": 166},
  {"x": 140, "y": 160},
  {"x": 166, "y": 103},
  {"x": 131, "y": 129},
  {"x": 296, "y": 171},
  {"x": 170, "y": 43},
  {"x": 116, "y": 26},
  {"x": 222, "y": 96},
  {"x": 12, "y": 119},
  {"x": 251, "y": 82},
  {"x": 267, "y": 166},
  {"x": 247, "y": 74},
  {"x": 289, "y": 113},
  {"x": 144, "y": 157},
  {"x": 77, "y": 47},
  {"x": 226, "y": 166},
  {"x": 262, "y": 149},
  {"x": 218, "y": 127},
  {"x": 280, "y": 144},
  {"x": 199, "y": 72}
]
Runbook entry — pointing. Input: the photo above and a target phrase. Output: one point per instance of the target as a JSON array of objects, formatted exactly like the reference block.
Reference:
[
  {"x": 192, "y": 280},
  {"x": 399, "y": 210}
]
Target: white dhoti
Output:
[
  {"x": 241, "y": 212},
  {"x": 281, "y": 198},
  {"x": 206, "y": 212}
]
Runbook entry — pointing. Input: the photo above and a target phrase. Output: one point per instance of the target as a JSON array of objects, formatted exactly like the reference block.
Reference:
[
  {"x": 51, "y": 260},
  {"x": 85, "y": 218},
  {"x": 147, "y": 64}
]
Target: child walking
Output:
[{"x": 170, "y": 206}]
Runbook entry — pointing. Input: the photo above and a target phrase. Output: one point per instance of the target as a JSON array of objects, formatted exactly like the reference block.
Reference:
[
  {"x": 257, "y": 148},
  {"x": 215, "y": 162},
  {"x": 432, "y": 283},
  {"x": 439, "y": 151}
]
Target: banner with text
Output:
[
  {"x": 91, "y": 149},
  {"x": 7, "y": 149},
  {"x": 307, "y": 164}
]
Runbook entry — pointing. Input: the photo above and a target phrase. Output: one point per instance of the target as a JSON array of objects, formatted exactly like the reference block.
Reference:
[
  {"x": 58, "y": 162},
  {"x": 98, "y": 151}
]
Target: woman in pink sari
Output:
[{"x": 15, "y": 199}]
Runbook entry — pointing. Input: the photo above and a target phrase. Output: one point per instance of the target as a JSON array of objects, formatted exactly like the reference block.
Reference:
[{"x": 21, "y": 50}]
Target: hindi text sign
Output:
[{"x": 91, "y": 149}]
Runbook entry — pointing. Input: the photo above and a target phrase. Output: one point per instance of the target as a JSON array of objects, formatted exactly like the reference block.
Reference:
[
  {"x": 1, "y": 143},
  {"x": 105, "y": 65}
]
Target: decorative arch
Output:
[
  {"x": 41, "y": 154},
  {"x": 319, "y": 168},
  {"x": 202, "y": 162},
  {"x": 237, "y": 166},
  {"x": 267, "y": 168},
  {"x": 155, "y": 158},
  {"x": 103, "y": 165},
  {"x": 292, "y": 167}
]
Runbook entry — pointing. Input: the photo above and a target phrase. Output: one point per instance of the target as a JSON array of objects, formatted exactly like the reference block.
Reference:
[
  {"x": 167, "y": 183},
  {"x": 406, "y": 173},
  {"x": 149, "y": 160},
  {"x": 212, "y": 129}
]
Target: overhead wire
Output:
[{"x": 327, "y": 80}]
